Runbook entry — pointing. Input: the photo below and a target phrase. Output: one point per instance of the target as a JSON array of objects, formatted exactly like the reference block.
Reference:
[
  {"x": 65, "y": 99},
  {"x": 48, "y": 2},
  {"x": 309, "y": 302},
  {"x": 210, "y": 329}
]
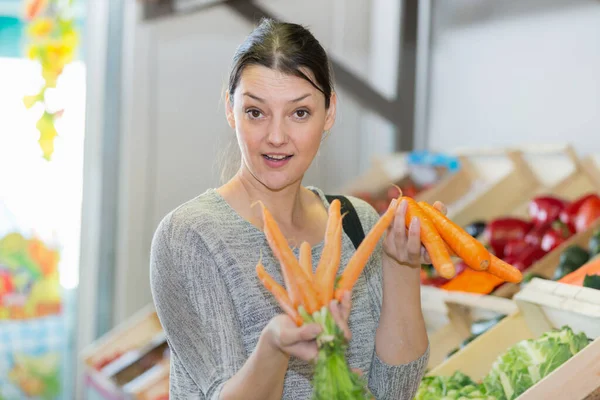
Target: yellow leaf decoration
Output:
[
  {"x": 41, "y": 28},
  {"x": 47, "y": 134},
  {"x": 53, "y": 42}
]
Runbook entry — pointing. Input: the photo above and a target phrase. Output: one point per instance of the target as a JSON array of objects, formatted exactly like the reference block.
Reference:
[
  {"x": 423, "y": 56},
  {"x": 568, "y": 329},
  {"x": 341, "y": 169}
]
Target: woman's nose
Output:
[{"x": 277, "y": 134}]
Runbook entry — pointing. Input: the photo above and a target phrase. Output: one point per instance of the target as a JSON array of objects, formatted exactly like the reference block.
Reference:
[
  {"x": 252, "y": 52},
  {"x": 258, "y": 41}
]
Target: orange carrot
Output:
[
  {"x": 331, "y": 272},
  {"x": 332, "y": 222},
  {"x": 306, "y": 259},
  {"x": 300, "y": 288},
  {"x": 279, "y": 293},
  {"x": 361, "y": 256},
  {"x": 576, "y": 277},
  {"x": 431, "y": 239},
  {"x": 471, "y": 250},
  {"x": 504, "y": 271}
]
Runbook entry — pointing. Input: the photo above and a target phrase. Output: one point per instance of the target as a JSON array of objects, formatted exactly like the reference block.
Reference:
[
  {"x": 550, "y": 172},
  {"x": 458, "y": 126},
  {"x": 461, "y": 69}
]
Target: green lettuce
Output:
[
  {"x": 529, "y": 361},
  {"x": 456, "y": 387}
]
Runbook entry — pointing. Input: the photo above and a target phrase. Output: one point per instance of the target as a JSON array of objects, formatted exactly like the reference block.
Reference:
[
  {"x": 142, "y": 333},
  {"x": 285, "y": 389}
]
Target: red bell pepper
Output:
[
  {"x": 544, "y": 210},
  {"x": 501, "y": 231},
  {"x": 514, "y": 248},
  {"x": 552, "y": 239},
  {"x": 587, "y": 214},
  {"x": 567, "y": 216},
  {"x": 528, "y": 257},
  {"x": 534, "y": 236}
]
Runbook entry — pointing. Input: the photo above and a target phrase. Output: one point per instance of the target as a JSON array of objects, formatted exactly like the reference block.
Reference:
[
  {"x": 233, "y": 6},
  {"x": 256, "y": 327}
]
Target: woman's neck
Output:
[{"x": 288, "y": 205}]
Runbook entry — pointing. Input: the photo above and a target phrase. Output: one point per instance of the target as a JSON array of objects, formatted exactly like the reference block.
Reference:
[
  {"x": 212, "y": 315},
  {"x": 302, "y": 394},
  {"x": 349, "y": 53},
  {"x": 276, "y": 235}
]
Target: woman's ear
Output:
[
  {"x": 229, "y": 110},
  {"x": 330, "y": 118}
]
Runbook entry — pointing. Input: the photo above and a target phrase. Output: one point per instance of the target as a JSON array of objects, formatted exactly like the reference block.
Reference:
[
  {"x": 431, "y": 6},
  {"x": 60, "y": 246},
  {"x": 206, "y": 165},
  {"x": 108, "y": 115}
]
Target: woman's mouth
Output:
[{"x": 276, "y": 160}]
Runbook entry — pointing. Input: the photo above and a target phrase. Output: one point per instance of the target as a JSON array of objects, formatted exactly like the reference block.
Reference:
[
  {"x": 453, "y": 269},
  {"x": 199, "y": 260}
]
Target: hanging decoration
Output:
[{"x": 52, "y": 41}]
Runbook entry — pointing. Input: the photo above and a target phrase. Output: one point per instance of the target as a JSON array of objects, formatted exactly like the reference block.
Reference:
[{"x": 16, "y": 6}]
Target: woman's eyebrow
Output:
[{"x": 252, "y": 96}]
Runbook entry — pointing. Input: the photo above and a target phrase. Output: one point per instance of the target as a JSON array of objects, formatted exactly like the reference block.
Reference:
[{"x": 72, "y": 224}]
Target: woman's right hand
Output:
[{"x": 283, "y": 334}]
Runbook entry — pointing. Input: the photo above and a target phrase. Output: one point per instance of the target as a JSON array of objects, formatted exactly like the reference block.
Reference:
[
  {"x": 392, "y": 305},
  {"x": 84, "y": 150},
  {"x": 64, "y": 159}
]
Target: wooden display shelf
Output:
[
  {"x": 449, "y": 314},
  {"x": 592, "y": 165},
  {"x": 509, "y": 181},
  {"x": 461, "y": 310},
  {"x": 393, "y": 169},
  {"x": 112, "y": 363},
  {"x": 542, "y": 306},
  {"x": 561, "y": 173}
]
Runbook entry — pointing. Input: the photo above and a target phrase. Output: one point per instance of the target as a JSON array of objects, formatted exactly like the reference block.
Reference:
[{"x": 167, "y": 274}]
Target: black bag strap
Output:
[{"x": 351, "y": 221}]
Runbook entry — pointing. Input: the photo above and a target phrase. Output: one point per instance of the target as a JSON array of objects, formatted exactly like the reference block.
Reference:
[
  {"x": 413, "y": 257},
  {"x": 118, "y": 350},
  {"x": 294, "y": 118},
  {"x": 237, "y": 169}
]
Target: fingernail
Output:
[
  {"x": 394, "y": 202},
  {"x": 414, "y": 220}
]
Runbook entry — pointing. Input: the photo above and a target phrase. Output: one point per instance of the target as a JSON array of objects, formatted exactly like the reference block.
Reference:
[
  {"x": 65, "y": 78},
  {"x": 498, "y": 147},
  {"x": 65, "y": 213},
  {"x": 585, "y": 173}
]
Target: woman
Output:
[{"x": 228, "y": 337}]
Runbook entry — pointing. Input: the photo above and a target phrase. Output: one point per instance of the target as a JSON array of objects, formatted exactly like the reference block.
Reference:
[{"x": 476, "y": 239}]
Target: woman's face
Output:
[{"x": 279, "y": 122}]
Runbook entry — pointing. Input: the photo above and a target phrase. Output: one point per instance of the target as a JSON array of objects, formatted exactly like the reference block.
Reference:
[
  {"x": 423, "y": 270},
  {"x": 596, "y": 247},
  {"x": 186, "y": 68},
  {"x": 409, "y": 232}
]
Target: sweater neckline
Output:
[{"x": 220, "y": 200}]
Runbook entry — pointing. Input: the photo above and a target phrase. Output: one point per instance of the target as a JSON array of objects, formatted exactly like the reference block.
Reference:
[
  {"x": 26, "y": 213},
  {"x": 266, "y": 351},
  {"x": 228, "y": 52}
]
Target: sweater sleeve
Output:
[
  {"x": 399, "y": 382},
  {"x": 197, "y": 315}
]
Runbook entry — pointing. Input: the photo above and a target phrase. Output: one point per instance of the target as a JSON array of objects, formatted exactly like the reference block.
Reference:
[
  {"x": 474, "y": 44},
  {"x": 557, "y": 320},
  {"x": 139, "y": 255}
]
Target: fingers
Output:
[
  {"x": 414, "y": 242},
  {"x": 290, "y": 336},
  {"x": 357, "y": 371},
  {"x": 336, "y": 313},
  {"x": 400, "y": 224},
  {"x": 441, "y": 207}
]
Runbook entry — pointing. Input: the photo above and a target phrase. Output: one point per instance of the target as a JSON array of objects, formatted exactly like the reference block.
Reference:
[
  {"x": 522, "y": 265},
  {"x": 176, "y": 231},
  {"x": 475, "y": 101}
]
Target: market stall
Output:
[
  {"x": 479, "y": 294},
  {"x": 548, "y": 349}
]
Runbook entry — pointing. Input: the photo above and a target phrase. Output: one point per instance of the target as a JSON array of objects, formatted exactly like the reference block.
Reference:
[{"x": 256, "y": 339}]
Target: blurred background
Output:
[{"x": 103, "y": 104}]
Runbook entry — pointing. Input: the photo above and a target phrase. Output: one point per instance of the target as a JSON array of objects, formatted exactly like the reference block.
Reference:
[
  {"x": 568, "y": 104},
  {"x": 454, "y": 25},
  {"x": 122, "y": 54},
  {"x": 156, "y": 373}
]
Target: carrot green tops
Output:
[{"x": 213, "y": 307}]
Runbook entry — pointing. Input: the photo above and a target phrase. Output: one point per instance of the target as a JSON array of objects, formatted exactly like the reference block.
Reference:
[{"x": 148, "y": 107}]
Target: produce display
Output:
[
  {"x": 29, "y": 278},
  {"x": 516, "y": 370},
  {"x": 573, "y": 267},
  {"x": 521, "y": 242},
  {"x": 587, "y": 276}
]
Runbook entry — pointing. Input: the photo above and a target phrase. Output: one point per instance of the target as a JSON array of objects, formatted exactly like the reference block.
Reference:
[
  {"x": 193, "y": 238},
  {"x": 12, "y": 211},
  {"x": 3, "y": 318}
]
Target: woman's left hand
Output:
[{"x": 402, "y": 245}]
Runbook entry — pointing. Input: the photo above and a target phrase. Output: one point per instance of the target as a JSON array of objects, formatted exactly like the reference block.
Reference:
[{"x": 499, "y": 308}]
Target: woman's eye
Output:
[
  {"x": 253, "y": 113},
  {"x": 301, "y": 114}
]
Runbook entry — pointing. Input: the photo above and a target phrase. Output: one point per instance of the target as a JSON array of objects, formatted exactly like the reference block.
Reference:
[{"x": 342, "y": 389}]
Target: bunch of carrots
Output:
[{"x": 306, "y": 296}]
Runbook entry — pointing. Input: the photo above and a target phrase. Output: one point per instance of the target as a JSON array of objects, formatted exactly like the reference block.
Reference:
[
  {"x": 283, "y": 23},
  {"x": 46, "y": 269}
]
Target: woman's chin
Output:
[{"x": 276, "y": 182}]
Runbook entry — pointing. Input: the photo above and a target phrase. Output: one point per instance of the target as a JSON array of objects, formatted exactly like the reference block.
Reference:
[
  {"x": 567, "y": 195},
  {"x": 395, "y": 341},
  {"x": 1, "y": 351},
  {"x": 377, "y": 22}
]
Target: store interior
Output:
[{"x": 112, "y": 114}]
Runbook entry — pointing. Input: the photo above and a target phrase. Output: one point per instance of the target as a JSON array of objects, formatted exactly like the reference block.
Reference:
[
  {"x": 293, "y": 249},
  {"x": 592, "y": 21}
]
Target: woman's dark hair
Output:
[{"x": 285, "y": 47}]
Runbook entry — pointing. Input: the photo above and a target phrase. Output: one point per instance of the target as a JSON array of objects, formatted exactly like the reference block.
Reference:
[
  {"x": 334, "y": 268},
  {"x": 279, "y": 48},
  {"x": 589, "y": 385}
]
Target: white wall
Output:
[
  {"x": 513, "y": 71},
  {"x": 174, "y": 123}
]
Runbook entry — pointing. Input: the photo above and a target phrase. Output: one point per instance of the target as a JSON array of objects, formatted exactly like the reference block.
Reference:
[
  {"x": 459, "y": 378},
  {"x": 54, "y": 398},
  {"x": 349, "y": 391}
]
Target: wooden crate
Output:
[
  {"x": 393, "y": 169},
  {"x": 592, "y": 165},
  {"x": 561, "y": 173},
  {"x": 510, "y": 182},
  {"x": 153, "y": 385},
  {"x": 462, "y": 309},
  {"x": 543, "y": 305},
  {"x": 139, "y": 332},
  {"x": 453, "y": 187}
]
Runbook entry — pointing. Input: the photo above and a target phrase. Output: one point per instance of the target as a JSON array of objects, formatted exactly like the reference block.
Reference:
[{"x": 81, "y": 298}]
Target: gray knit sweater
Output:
[{"x": 213, "y": 308}]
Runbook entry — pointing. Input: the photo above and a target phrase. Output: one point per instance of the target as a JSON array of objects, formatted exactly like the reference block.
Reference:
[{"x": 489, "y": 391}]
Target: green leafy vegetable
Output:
[
  {"x": 515, "y": 371},
  {"x": 529, "y": 361},
  {"x": 456, "y": 387},
  {"x": 592, "y": 281}
]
